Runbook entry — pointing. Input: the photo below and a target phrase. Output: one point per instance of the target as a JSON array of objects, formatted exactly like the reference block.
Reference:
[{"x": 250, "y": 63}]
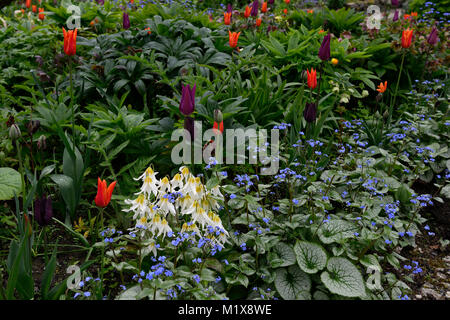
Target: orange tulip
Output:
[
  {"x": 104, "y": 193},
  {"x": 34, "y": 8},
  {"x": 264, "y": 7},
  {"x": 312, "y": 78},
  {"x": 233, "y": 37},
  {"x": 406, "y": 38},
  {"x": 258, "y": 22},
  {"x": 41, "y": 15},
  {"x": 413, "y": 14},
  {"x": 28, "y": 4},
  {"x": 148, "y": 30},
  {"x": 227, "y": 18},
  {"x": 382, "y": 87},
  {"x": 287, "y": 1},
  {"x": 321, "y": 31},
  {"x": 285, "y": 11},
  {"x": 334, "y": 61},
  {"x": 247, "y": 11},
  {"x": 311, "y": 11},
  {"x": 406, "y": 16},
  {"x": 70, "y": 41}
]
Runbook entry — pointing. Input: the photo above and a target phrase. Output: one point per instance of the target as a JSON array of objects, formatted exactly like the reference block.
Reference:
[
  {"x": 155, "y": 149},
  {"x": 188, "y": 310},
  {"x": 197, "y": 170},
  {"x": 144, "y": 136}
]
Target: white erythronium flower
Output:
[
  {"x": 177, "y": 182},
  {"x": 138, "y": 205},
  {"x": 165, "y": 205},
  {"x": 183, "y": 196},
  {"x": 164, "y": 186},
  {"x": 150, "y": 186},
  {"x": 164, "y": 228}
]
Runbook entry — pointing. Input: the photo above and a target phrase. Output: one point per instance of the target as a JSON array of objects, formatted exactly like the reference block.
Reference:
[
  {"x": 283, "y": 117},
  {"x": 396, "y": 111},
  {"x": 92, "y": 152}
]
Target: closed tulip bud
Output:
[
  {"x": 187, "y": 102},
  {"x": 43, "y": 211},
  {"x": 254, "y": 11},
  {"x": 33, "y": 126},
  {"x": 14, "y": 132},
  {"x": 310, "y": 112},
  {"x": 218, "y": 116},
  {"x": 385, "y": 115},
  {"x": 304, "y": 75},
  {"x": 324, "y": 51},
  {"x": 433, "y": 38},
  {"x": 27, "y": 225},
  {"x": 229, "y": 8},
  {"x": 395, "y": 18},
  {"x": 126, "y": 21},
  {"x": 42, "y": 143}
]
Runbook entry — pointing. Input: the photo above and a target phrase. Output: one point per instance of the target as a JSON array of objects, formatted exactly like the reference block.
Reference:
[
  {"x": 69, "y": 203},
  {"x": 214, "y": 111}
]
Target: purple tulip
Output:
[
  {"x": 126, "y": 21},
  {"x": 270, "y": 1},
  {"x": 310, "y": 112},
  {"x": 433, "y": 37},
  {"x": 189, "y": 126},
  {"x": 187, "y": 102},
  {"x": 229, "y": 8},
  {"x": 324, "y": 51},
  {"x": 394, "y": 3},
  {"x": 254, "y": 11},
  {"x": 43, "y": 210},
  {"x": 395, "y": 18}
]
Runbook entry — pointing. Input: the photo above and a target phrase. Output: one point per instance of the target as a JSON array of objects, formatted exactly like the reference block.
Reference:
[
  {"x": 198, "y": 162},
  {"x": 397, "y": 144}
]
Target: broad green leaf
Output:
[
  {"x": 336, "y": 230},
  {"x": 343, "y": 278},
  {"x": 285, "y": 253},
  {"x": 311, "y": 257},
  {"x": 10, "y": 183},
  {"x": 292, "y": 282}
]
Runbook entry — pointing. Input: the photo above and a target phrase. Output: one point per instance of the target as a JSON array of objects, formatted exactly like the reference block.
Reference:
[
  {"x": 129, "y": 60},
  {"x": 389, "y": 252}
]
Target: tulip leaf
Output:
[{"x": 47, "y": 277}]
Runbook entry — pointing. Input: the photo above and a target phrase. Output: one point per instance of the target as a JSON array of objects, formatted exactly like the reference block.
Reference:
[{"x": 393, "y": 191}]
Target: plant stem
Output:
[{"x": 396, "y": 88}]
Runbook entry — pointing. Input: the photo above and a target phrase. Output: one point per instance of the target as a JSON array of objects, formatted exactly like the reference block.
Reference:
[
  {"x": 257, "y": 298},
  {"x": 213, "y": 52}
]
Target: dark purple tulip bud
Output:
[
  {"x": 324, "y": 51},
  {"x": 229, "y": 9},
  {"x": 433, "y": 38},
  {"x": 187, "y": 103},
  {"x": 189, "y": 126},
  {"x": 126, "y": 21},
  {"x": 270, "y": 1},
  {"x": 310, "y": 112},
  {"x": 395, "y": 18},
  {"x": 43, "y": 210},
  {"x": 33, "y": 126},
  {"x": 394, "y": 3},
  {"x": 254, "y": 11}
]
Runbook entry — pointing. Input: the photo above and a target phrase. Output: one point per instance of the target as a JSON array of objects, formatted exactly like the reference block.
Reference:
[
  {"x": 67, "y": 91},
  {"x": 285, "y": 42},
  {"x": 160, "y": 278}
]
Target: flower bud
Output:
[
  {"x": 385, "y": 115},
  {"x": 42, "y": 143},
  {"x": 218, "y": 117},
  {"x": 33, "y": 126},
  {"x": 14, "y": 132}
]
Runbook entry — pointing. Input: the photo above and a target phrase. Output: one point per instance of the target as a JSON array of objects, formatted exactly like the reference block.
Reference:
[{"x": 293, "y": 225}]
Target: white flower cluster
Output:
[{"x": 186, "y": 199}]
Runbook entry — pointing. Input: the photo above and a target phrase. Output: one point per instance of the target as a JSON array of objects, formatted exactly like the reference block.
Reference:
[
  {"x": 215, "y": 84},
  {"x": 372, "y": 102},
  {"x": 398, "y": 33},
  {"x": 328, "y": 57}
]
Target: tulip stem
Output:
[
  {"x": 396, "y": 89},
  {"x": 21, "y": 173},
  {"x": 102, "y": 255}
]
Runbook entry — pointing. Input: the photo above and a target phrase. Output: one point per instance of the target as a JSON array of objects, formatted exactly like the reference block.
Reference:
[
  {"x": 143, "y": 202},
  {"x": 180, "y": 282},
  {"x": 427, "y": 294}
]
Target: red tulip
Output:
[
  {"x": 233, "y": 37},
  {"x": 70, "y": 41},
  {"x": 104, "y": 193},
  {"x": 312, "y": 78},
  {"x": 406, "y": 38}
]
